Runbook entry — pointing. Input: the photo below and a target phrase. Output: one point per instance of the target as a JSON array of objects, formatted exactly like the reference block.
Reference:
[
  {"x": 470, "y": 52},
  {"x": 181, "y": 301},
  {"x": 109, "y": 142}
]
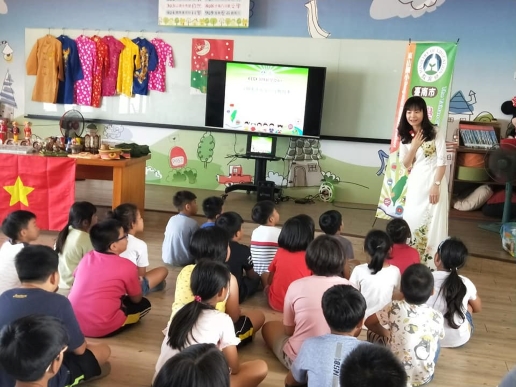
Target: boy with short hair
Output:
[
  {"x": 21, "y": 229},
  {"x": 37, "y": 268},
  {"x": 240, "y": 259},
  {"x": 179, "y": 231},
  {"x": 212, "y": 208},
  {"x": 330, "y": 223},
  {"x": 264, "y": 239},
  {"x": 344, "y": 309},
  {"x": 32, "y": 351},
  {"x": 415, "y": 328},
  {"x": 372, "y": 366},
  {"x": 106, "y": 294}
]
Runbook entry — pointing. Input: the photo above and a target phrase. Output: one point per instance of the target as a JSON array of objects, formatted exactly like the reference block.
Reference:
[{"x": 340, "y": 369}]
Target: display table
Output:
[{"x": 127, "y": 175}]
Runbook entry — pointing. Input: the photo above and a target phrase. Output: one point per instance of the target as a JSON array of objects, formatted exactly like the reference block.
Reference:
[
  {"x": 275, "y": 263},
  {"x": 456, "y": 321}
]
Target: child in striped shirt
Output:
[{"x": 264, "y": 239}]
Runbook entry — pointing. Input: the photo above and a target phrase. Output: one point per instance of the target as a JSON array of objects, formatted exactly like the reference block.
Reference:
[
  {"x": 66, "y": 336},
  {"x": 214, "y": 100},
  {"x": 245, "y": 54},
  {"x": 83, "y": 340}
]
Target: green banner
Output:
[{"x": 427, "y": 73}]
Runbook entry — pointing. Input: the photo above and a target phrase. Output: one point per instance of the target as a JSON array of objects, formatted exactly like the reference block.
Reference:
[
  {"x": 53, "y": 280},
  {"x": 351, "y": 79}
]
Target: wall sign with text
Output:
[{"x": 204, "y": 13}]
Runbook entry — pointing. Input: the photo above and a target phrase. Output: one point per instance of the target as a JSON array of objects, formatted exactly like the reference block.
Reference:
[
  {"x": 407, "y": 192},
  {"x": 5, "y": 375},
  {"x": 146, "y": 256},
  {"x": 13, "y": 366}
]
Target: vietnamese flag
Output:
[
  {"x": 42, "y": 185},
  {"x": 202, "y": 51}
]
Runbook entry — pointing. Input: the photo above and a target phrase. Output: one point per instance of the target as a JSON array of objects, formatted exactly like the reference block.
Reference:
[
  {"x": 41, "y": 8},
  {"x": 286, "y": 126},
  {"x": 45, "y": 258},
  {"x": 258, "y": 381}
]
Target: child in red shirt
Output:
[
  {"x": 402, "y": 255},
  {"x": 289, "y": 263}
]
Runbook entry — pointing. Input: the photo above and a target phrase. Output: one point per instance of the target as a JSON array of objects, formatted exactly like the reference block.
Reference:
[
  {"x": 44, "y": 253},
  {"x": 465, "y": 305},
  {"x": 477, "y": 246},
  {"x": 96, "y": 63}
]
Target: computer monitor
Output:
[{"x": 261, "y": 145}]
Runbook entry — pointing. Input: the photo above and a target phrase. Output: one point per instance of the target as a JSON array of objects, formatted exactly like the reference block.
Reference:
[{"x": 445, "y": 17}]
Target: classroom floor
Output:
[{"x": 482, "y": 362}]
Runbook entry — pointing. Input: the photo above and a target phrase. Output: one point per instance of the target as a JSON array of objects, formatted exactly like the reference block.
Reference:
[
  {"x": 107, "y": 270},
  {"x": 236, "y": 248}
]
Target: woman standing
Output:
[{"x": 423, "y": 152}]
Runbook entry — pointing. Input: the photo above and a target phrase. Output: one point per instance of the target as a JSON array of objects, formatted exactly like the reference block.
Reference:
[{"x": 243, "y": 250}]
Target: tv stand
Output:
[{"x": 260, "y": 172}]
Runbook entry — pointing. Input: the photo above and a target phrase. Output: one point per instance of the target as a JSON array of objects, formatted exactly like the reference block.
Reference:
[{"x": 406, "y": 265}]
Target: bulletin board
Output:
[{"x": 362, "y": 83}]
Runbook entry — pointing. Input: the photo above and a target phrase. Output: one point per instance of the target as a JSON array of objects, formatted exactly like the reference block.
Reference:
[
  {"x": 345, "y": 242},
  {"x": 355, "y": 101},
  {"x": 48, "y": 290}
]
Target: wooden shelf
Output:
[
  {"x": 465, "y": 149},
  {"x": 490, "y": 182}
]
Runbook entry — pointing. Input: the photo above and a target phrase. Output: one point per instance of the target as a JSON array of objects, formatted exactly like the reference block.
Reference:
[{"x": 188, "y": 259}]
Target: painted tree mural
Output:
[{"x": 205, "y": 148}]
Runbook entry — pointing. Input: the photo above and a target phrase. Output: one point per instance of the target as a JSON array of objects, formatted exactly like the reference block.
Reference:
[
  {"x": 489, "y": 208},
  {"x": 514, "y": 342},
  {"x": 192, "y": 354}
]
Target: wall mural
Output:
[{"x": 200, "y": 159}]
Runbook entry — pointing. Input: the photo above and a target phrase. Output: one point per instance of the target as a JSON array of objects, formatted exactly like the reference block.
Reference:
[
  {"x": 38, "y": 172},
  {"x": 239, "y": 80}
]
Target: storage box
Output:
[{"x": 472, "y": 174}]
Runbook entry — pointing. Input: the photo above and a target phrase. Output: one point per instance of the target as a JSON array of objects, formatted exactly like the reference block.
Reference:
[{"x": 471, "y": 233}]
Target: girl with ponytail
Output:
[
  {"x": 455, "y": 296},
  {"x": 377, "y": 279},
  {"x": 198, "y": 322},
  {"x": 73, "y": 241}
]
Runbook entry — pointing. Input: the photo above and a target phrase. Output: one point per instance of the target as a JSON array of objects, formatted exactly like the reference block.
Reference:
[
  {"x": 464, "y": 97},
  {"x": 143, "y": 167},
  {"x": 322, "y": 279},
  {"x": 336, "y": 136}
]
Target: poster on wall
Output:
[
  {"x": 427, "y": 73},
  {"x": 202, "y": 51},
  {"x": 204, "y": 13}
]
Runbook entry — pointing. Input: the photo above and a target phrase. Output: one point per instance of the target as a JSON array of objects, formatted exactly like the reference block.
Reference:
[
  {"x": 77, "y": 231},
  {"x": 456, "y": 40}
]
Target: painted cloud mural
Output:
[
  {"x": 386, "y": 9},
  {"x": 3, "y": 7}
]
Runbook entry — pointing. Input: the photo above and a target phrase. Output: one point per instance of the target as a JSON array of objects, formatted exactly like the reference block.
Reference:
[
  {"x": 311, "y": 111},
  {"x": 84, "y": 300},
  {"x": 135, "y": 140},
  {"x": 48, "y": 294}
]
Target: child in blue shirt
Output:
[
  {"x": 179, "y": 231},
  {"x": 212, "y": 208}
]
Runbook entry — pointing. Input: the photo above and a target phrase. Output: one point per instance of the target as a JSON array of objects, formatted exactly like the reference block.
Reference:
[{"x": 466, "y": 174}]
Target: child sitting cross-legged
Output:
[
  {"x": 414, "y": 328},
  {"x": 455, "y": 296},
  {"x": 199, "y": 322},
  {"x": 212, "y": 243},
  {"x": 344, "y": 309},
  {"x": 331, "y": 224},
  {"x": 132, "y": 222},
  {"x": 377, "y": 279},
  {"x": 289, "y": 263},
  {"x": 302, "y": 312},
  {"x": 36, "y": 266},
  {"x": 73, "y": 241},
  {"x": 20, "y": 228},
  {"x": 402, "y": 255},
  {"x": 212, "y": 208},
  {"x": 32, "y": 351},
  {"x": 106, "y": 295},
  {"x": 240, "y": 259}
]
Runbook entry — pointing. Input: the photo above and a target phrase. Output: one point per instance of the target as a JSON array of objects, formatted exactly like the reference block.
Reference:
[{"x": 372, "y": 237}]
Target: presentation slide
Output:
[{"x": 265, "y": 98}]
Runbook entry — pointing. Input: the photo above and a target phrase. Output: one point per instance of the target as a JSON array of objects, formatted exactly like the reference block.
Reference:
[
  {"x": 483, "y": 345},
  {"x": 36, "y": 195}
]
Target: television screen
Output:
[{"x": 265, "y": 98}]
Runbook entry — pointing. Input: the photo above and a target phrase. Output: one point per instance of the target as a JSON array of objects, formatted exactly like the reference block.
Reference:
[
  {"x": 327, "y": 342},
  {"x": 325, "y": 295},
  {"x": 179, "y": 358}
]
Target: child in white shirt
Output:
[
  {"x": 137, "y": 252},
  {"x": 455, "y": 296},
  {"x": 21, "y": 228},
  {"x": 377, "y": 279}
]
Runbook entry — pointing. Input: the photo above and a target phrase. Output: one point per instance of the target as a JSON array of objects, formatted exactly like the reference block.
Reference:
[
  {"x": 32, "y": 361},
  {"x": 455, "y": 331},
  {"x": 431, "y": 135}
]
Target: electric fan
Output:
[
  {"x": 72, "y": 124},
  {"x": 326, "y": 192},
  {"x": 500, "y": 164}
]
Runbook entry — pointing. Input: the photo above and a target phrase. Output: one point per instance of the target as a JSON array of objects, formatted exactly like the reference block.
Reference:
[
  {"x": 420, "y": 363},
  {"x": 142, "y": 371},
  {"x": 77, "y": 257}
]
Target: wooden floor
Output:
[{"x": 482, "y": 362}]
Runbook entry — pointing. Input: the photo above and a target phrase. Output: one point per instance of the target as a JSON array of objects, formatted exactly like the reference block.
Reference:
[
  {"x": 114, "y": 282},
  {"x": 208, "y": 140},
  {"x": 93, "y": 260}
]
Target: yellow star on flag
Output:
[{"x": 18, "y": 192}]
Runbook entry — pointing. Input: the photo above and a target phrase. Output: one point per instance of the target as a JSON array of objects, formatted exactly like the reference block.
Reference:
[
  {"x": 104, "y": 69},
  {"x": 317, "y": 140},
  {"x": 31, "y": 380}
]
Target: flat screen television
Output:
[{"x": 280, "y": 100}]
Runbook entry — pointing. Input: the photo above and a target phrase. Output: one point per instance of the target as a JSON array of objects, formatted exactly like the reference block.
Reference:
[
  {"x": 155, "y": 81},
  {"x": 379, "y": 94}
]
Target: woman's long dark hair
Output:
[
  {"x": 377, "y": 245},
  {"x": 207, "y": 280},
  {"x": 404, "y": 128},
  {"x": 453, "y": 253},
  {"x": 126, "y": 214},
  {"x": 200, "y": 365},
  {"x": 79, "y": 212}
]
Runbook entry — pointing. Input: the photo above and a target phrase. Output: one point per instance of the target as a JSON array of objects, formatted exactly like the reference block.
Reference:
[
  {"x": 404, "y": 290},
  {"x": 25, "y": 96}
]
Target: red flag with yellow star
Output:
[{"x": 42, "y": 185}]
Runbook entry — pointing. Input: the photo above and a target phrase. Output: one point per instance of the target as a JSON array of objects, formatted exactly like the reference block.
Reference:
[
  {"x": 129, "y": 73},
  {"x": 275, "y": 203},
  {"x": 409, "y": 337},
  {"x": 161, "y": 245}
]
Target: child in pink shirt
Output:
[
  {"x": 302, "y": 311},
  {"x": 402, "y": 255},
  {"x": 106, "y": 295}
]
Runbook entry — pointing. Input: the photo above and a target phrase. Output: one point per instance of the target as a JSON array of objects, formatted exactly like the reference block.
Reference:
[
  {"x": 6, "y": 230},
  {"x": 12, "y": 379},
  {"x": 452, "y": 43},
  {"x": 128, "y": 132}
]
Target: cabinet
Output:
[{"x": 459, "y": 183}]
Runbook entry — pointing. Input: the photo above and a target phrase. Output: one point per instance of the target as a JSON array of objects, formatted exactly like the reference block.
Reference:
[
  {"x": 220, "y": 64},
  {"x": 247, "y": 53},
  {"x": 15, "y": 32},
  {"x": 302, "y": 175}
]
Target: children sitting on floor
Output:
[
  {"x": 106, "y": 295},
  {"x": 289, "y": 263},
  {"x": 377, "y": 279},
  {"x": 264, "y": 239},
  {"x": 402, "y": 255},
  {"x": 372, "y": 366},
  {"x": 240, "y": 259},
  {"x": 73, "y": 241},
  {"x": 199, "y": 322},
  {"x": 32, "y": 351},
  {"x": 37, "y": 268},
  {"x": 414, "y": 327},
  {"x": 212, "y": 208},
  {"x": 20, "y": 228},
  {"x": 212, "y": 243},
  {"x": 132, "y": 222},
  {"x": 302, "y": 312},
  {"x": 344, "y": 309},
  {"x": 199, "y": 365},
  {"x": 455, "y": 296},
  {"x": 180, "y": 229},
  {"x": 331, "y": 223}
]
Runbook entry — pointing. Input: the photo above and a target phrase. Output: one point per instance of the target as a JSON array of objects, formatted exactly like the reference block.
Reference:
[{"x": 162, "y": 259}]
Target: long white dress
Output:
[{"x": 428, "y": 222}]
